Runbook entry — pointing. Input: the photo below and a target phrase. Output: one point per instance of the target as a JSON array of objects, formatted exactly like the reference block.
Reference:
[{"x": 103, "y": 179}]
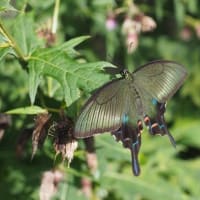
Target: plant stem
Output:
[
  {"x": 11, "y": 42},
  {"x": 55, "y": 16}
]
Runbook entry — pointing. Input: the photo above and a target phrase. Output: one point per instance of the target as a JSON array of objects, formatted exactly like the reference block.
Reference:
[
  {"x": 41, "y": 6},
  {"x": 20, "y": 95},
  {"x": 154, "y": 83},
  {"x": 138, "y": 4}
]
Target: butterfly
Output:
[{"x": 125, "y": 105}]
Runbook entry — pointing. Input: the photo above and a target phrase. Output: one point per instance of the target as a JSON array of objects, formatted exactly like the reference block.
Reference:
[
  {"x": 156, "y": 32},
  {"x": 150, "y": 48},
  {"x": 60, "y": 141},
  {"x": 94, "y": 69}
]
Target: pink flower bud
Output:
[
  {"x": 130, "y": 26},
  {"x": 132, "y": 42},
  {"x": 148, "y": 23},
  {"x": 86, "y": 187},
  {"x": 186, "y": 33},
  {"x": 92, "y": 161},
  {"x": 111, "y": 23},
  {"x": 197, "y": 29}
]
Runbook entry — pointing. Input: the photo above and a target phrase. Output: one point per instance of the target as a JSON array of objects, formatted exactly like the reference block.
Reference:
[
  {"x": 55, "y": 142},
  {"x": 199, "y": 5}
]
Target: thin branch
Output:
[
  {"x": 12, "y": 42},
  {"x": 55, "y": 16}
]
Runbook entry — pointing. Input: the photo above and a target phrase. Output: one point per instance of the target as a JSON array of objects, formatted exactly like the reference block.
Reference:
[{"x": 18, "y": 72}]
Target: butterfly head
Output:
[{"x": 127, "y": 75}]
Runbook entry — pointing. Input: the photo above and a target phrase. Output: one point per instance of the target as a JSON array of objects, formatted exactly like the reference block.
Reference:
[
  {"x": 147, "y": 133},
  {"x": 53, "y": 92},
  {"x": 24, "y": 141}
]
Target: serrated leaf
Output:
[
  {"x": 29, "y": 110},
  {"x": 71, "y": 75},
  {"x": 70, "y": 44},
  {"x": 24, "y": 33}
]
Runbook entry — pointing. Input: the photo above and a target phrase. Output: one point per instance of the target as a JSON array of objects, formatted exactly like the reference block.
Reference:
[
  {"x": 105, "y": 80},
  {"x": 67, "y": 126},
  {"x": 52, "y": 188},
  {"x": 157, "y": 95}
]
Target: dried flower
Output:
[
  {"x": 47, "y": 35},
  {"x": 64, "y": 142},
  {"x": 40, "y": 132},
  {"x": 67, "y": 150}
]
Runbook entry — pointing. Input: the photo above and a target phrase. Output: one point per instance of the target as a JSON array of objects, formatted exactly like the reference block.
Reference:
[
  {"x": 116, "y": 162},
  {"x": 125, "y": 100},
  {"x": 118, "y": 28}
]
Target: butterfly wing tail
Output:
[
  {"x": 135, "y": 163},
  {"x": 163, "y": 126},
  {"x": 171, "y": 138},
  {"x": 131, "y": 138},
  {"x": 157, "y": 125}
]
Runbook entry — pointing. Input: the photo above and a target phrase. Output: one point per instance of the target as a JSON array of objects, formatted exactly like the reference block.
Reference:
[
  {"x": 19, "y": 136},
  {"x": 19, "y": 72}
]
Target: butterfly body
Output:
[{"x": 123, "y": 106}]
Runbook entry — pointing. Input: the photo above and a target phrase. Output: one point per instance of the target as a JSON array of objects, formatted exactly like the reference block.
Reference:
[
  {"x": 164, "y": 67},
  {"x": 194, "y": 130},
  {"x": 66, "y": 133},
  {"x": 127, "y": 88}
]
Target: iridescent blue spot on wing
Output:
[
  {"x": 161, "y": 126},
  {"x": 135, "y": 143},
  {"x": 125, "y": 119},
  {"x": 154, "y": 102}
]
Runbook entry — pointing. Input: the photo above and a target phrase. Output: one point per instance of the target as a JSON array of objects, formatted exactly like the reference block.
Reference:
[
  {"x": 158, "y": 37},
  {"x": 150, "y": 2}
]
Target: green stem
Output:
[
  {"x": 12, "y": 42},
  {"x": 49, "y": 85},
  {"x": 55, "y": 16}
]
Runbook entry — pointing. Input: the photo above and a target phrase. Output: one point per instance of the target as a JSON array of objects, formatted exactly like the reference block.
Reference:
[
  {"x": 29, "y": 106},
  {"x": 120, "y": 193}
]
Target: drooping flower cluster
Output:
[
  {"x": 135, "y": 22},
  {"x": 133, "y": 26}
]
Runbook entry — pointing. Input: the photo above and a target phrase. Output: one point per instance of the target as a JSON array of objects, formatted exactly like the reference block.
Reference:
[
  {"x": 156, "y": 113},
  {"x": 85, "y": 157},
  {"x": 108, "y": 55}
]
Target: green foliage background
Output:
[{"x": 64, "y": 74}]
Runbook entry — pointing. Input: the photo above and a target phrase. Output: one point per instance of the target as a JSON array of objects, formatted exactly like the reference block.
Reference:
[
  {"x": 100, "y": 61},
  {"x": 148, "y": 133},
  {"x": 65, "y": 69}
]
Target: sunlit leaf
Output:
[
  {"x": 71, "y": 75},
  {"x": 29, "y": 110}
]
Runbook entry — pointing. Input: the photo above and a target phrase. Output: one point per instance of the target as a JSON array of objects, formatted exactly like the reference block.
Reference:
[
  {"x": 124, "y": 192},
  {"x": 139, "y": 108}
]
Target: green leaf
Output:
[
  {"x": 68, "y": 46},
  {"x": 159, "y": 9},
  {"x": 71, "y": 75},
  {"x": 24, "y": 33},
  {"x": 162, "y": 173},
  {"x": 4, "y": 51},
  {"x": 192, "y": 6},
  {"x": 179, "y": 11},
  {"x": 5, "y": 6},
  {"x": 4, "y": 47},
  {"x": 188, "y": 131},
  {"x": 29, "y": 110}
]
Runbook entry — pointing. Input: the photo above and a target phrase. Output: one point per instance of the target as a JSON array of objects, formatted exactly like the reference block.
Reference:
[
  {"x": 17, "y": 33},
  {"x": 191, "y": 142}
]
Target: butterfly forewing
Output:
[
  {"x": 103, "y": 111},
  {"x": 161, "y": 79}
]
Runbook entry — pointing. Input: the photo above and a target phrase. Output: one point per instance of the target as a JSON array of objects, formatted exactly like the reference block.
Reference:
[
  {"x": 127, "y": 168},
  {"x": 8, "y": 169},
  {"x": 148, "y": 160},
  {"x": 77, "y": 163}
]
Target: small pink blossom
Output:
[
  {"x": 86, "y": 187},
  {"x": 111, "y": 23},
  {"x": 49, "y": 184},
  {"x": 132, "y": 42},
  {"x": 130, "y": 26},
  {"x": 92, "y": 161},
  {"x": 186, "y": 33},
  {"x": 197, "y": 29},
  {"x": 148, "y": 23}
]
